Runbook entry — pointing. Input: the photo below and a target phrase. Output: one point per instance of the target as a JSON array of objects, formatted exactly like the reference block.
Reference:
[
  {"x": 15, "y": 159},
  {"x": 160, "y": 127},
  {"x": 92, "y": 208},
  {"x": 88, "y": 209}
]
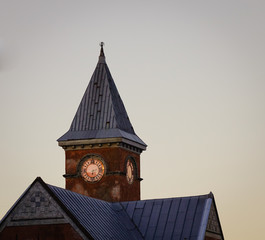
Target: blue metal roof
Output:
[
  {"x": 101, "y": 110},
  {"x": 171, "y": 218},
  {"x": 102, "y": 220}
]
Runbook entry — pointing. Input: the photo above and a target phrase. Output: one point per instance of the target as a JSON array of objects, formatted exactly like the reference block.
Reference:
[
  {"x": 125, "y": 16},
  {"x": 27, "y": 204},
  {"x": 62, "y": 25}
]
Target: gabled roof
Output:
[
  {"x": 101, "y": 113},
  {"x": 46, "y": 204},
  {"x": 172, "y": 218}
]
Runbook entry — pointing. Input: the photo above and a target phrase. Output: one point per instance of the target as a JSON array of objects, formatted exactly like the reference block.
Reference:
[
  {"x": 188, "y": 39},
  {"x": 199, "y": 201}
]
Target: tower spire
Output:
[
  {"x": 101, "y": 148},
  {"x": 101, "y": 113}
]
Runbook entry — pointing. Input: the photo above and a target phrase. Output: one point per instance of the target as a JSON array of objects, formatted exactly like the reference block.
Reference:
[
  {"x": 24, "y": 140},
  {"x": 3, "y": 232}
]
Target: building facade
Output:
[{"x": 101, "y": 199}]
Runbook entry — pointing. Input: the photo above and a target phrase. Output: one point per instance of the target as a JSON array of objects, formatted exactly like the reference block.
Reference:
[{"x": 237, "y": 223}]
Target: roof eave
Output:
[
  {"x": 100, "y": 137},
  {"x": 100, "y": 141}
]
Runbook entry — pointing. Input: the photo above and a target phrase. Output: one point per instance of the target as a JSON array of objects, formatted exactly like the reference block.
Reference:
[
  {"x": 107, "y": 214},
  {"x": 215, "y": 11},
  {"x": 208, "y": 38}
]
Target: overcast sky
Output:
[{"x": 191, "y": 76}]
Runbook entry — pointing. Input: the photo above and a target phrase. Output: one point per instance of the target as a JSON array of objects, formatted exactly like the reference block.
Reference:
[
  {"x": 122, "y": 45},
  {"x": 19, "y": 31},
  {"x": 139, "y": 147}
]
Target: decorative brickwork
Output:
[
  {"x": 213, "y": 224},
  {"x": 37, "y": 215},
  {"x": 36, "y": 205}
]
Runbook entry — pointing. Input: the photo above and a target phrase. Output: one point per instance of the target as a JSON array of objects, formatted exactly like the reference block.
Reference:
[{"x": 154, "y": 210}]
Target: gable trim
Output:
[{"x": 210, "y": 233}]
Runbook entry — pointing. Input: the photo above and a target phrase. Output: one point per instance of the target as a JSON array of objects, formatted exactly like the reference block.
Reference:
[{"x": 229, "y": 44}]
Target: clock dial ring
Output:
[
  {"x": 92, "y": 168},
  {"x": 130, "y": 171}
]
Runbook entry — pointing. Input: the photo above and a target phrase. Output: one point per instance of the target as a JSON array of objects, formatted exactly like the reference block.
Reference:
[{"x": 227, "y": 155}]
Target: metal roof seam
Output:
[
  {"x": 100, "y": 109},
  {"x": 131, "y": 205},
  {"x": 164, "y": 228},
  {"x": 104, "y": 105},
  {"x": 195, "y": 214},
  {"x": 147, "y": 217},
  {"x": 154, "y": 218},
  {"x": 98, "y": 106},
  {"x": 135, "y": 228},
  {"x": 190, "y": 215},
  {"x": 176, "y": 218},
  {"x": 108, "y": 110}
]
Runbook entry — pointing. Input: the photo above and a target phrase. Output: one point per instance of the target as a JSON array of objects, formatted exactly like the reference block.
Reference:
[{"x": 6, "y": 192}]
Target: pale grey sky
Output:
[{"x": 190, "y": 73}]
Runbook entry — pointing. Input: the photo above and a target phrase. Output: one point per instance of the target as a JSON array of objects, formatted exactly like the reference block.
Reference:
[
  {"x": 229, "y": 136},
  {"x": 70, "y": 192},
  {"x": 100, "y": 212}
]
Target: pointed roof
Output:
[
  {"x": 171, "y": 218},
  {"x": 101, "y": 113},
  {"x": 42, "y": 203}
]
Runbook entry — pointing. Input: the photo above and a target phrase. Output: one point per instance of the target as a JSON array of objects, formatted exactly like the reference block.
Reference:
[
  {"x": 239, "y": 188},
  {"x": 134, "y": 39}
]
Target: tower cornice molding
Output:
[{"x": 101, "y": 143}]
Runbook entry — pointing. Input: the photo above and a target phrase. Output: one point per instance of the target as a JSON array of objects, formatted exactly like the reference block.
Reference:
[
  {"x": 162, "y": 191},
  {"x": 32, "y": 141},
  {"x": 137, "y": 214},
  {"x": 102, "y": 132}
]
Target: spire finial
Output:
[
  {"x": 101, "y": 50},
  {"x": 102, "y": 55}
]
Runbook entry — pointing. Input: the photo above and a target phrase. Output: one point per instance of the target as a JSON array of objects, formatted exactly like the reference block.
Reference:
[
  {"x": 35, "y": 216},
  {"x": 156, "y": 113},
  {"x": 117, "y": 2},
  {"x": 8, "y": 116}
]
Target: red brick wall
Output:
[
  {"x": 113, "y": 188},
  {"x": 210, "y": 238},
  {"x": 40, "y": 232}
]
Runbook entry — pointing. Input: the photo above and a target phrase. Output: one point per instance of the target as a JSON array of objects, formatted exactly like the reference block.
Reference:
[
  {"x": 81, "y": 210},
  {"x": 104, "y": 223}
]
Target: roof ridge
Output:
[
  {"x": 123, "y": 210},
  {"x": 209, "y": 195}
]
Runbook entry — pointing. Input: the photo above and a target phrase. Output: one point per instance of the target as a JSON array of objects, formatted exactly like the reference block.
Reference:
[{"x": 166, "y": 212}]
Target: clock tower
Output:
[{"x": 102, "y": 151}]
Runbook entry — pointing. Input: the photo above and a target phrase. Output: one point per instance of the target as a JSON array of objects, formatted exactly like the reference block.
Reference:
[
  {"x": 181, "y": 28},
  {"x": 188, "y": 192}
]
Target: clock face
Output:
[
  {"x": 129, "y": 171},
  {"x": 92, "y": 169}
]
